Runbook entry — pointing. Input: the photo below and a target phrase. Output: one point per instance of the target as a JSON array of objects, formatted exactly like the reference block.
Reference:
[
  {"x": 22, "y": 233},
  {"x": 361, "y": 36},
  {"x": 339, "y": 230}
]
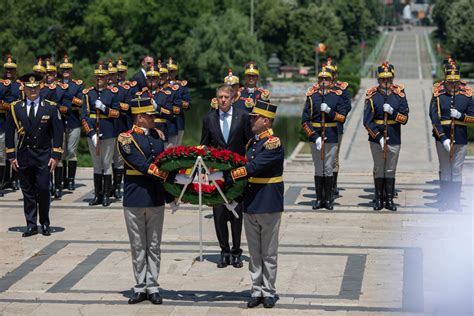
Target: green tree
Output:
[{"x": 459, "y": 30}]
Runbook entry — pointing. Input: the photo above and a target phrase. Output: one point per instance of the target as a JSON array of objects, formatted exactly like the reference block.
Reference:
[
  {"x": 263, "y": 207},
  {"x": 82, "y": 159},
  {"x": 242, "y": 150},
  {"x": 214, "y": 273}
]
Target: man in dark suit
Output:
[
  {"x": 227, "y": 128},
  {"x": 37, "y": 123},
  {"x": 140, "y": 76}
]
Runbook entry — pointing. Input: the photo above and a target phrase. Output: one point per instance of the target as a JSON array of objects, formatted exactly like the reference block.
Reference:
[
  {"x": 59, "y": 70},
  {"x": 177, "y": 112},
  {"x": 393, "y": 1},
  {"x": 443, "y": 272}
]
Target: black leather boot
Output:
[
  {"x": 336, "y": 190},
  {"x": 58, "y": 185},
  {"x": 107, "y": 189},
  {"x": 98, "y": 197},
  {"x": 71, "y": 173},
  {"x": 319, "y": 202},
  {"x": 328, "y": 193},
  {"x": 65, "y": 179},
  {"x": 118, "y": 174},
  {"x": 378, "y": 201},
  {"x": 389, "y": 190}
]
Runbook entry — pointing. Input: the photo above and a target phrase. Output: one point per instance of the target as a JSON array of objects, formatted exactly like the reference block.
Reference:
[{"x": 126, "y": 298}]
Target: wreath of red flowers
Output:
[{"x": 182, "y": 158}]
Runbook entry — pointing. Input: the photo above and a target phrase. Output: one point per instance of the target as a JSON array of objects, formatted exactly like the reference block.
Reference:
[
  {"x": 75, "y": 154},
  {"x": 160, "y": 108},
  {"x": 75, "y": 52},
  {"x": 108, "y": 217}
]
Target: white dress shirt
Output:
[
  {"x": 28, "y": 105},
  {"x": 144, "y": 72}
]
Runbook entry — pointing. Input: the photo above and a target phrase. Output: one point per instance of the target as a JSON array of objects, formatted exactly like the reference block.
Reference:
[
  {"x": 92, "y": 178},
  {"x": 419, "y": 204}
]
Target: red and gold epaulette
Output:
[
  {"x": 249, "y": 103},
  {"x": 341, "y": 85},
  {"x": 124, "y": 85},
  {"x": 125, "y": 138},
  {"x": 137, "y": 130},
  {"x": 336, "y": 91},
  {"x": 5, "y": 82},
  {"x": 272, "y": 142},
  {"x": 51, "y": 86},
  {"x": 160, "y": 133},
  {"x": 438, "y": 90},
  {"x": 398, "y": 89},
  {"x": 113, "y": 89},
  {"x": 183, "y": 82},
  {"x": 167, "y": 92},
  {"x": 265, "y": 94},
  {"x": 214, "y": 103},
  {"x": 87, "y": 90},
  {"x": 132, "y": 83},
  {"x": 77, "y": 81},
  {"x": 465, "y": 90},
  {"x": 437, "y": 84},
  {"x": 370, "y": 92},
  {"x": 174, "y": 87},
  {"x": 63, "y": 85}
]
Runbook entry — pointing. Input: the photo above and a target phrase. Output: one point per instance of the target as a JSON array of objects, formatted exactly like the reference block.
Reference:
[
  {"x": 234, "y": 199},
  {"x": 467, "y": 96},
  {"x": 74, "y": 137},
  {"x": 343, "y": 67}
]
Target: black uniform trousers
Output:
[
  {"x": 34, "y": 182},
  {"x": 221, "y": 216}
]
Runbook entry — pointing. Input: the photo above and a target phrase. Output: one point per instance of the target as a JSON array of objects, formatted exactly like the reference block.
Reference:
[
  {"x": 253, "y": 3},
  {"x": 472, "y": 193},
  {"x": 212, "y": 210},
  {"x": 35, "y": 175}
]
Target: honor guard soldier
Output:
[
  {"x": 332, "y": 65},
  {"x": 161, "y": 99},
  {"x": 121, "y": 125},
  {"x": 122, "y": 68},
  {"x": 175, "y": 99},
  {"x": 100, "y": 108},
  {"x": 325, "y": 106},
  {"x": 251, "y": 93},
  {"x": 386, "y": 109},
  {"x": 37, "y": 123},
  {"x": 71, "y": 104},
  {"x": 144, "y": 198},
  {"x": 262, "y": 202},
  {"x": 172, "y": 66},
  {"x": 48, "y": 91},
  {"x": 451, "y": 110},
  {"x": 14, "y": 92},
  {"x": 232, "y": 81}
]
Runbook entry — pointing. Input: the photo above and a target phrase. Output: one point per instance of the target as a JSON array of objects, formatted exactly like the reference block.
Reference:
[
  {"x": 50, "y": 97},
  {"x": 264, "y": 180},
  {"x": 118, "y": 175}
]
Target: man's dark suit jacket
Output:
[
  {"x": 239, "y": 135},
  {"x": 140, "y": 78}
]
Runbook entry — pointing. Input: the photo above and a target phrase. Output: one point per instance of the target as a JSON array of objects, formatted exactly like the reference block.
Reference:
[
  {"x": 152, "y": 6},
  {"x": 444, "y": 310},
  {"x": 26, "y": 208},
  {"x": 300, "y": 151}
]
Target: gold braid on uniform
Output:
[
  {"x": 272, "y": 142},
  {"x": 398, "y": 90},
  {"x": 155, "y": 171},
  {"x": 238, "y": 173},
  {"x": 308, "y": 130}
]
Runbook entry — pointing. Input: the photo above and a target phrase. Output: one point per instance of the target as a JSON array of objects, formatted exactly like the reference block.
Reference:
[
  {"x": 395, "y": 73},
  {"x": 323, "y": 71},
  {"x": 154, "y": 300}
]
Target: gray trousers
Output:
[
  {"x": 145, "y": 227},
  {"x": 72, "y": 135},
  {"x": 172, "y": 141},
  {"x": 117, "y": 161},
  {"x": 180, "y": 137},
  {"x": 103, "y": 162},
  {"x": 385, "y": 168},
  {"x": 336, "y": 159},
  {"x": 3, "y": 155},
  {"x": 324, "y": 168},
  {"x": 451, "y": 170},
  {"x": 262, "y": 231}
]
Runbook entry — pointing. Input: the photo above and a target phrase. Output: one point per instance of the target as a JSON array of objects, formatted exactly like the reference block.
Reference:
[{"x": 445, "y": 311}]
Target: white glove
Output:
[
  {"x": 382, "y": 142},
  {"x": 215, "y": 176},
  {"x": 94, "y": 140},
  {"x": 387, "y": 108},
  {"x": 99, "y": 105},
  {"x": 455, "y": 114},
  {"x": 174, "y": 206},
  {"x": 231, "y": 206},
  {"x": 182, "y": 179},
  {"x": 447, "y": 145},
  {"x": 325, "y": 108},
  {"x": 155, "y": 106},
  {"x": 318, "y": 143}
]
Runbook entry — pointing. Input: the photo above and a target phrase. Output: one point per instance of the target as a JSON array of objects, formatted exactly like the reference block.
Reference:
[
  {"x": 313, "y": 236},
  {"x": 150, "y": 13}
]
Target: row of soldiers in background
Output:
[{"x": 101, "y": 110}]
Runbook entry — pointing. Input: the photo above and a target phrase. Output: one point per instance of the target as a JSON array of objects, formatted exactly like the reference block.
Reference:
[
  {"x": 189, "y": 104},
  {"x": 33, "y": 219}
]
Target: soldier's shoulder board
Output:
[
  {"x": 370, "y": 92},
  {"x": 174, "y": 87},
  {"x": 342, "y": 85},
  {"x": 132, "y": 83},
  {"x": 466, "y": 90},
  {"x": 167, "y": 92},
  {"x": 5, "y": 82},
  {"x": 64, "y": 86},
  {"x": 437, "y": 84},
  {"x": 398, "y": 90},
  {"x": 77, "y": 81},
  {"x": 124, "y": 85},
  {"x": 438, "y": 90},
  {"x": 113, "y": 89},
  {"x": 312, "y": 89},
  {"x": 249, "y": 103},
  {"x": 52, "y": 86},
  {"x": 87, "y": 90},
  {"x": 272, "y": 142},
  {"x": 183, "y": 82},
  {"x": 49, "y": 102},
  {"x": 125, "y": 138}
]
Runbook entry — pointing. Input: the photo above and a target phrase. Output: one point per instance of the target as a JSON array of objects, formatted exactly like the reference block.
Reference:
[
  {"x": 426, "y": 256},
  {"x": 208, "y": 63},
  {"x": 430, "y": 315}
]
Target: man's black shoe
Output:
[
  {"x": 155, "y": 298},
  {"x": 137, "y": 298},
  {"x": 237, "y": 262},
  {"x": 224, "y": 261},
  {"x": 45, "y": 230},
  {"x": 268, "y": 302},
  {"x": 254, "y": 302},
  {"x": 30, "y": 231}
]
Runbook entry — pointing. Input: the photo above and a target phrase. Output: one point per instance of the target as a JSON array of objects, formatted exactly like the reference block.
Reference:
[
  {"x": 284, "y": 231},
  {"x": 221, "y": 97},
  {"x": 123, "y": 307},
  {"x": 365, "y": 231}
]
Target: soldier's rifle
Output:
[
  {"x": 451, "y": 136},
  {"x": 97, "y": 127},
  {"x": 323, "y": 124},
  {"x": 385, "y": 125}
]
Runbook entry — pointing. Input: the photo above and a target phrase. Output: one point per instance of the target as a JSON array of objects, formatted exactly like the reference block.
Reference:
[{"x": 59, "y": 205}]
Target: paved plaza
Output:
[{"x": 349, "y": 261}]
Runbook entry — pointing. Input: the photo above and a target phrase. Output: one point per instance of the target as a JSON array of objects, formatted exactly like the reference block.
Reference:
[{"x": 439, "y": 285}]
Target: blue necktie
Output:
[{"x": 225, "y": 126}]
